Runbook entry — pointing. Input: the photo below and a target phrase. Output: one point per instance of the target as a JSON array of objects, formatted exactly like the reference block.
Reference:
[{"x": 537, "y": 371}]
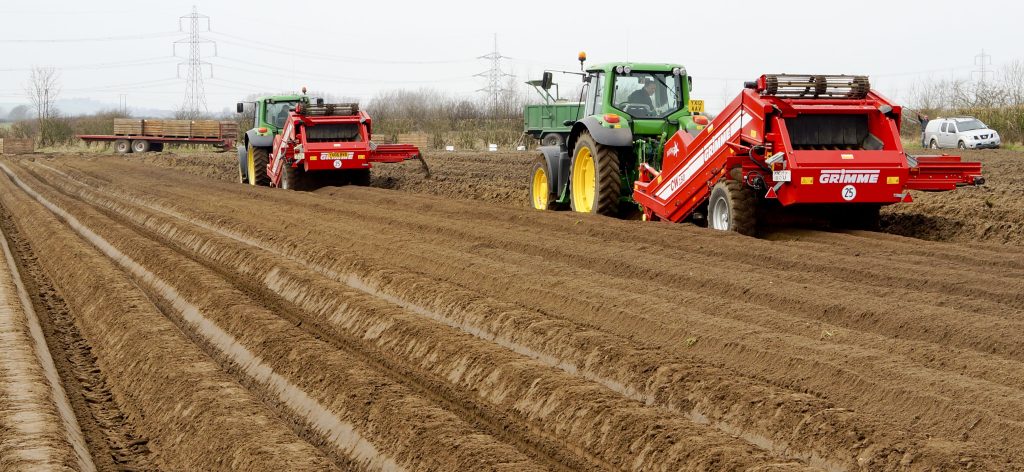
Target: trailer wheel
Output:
[
  {"x": 541, "y": 193},
  {"x": 594, "y": 182},
  {"x": 359, "y": 177},
  {"x": 122, "y": 146},
  {"x": 552, "y": 139},
  {"x": 732, "y": 207},
  {"x": 140, "y": 145},
  {"x": 258, "y": 159}
]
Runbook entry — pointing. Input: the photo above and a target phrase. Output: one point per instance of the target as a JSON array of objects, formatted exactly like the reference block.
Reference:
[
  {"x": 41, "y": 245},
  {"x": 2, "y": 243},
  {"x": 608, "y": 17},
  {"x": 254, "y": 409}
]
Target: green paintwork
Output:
[
  {"x": 261, "y": 119},
  {"x": 649, "y": 134},
  {"x": 541, "y": 119}
]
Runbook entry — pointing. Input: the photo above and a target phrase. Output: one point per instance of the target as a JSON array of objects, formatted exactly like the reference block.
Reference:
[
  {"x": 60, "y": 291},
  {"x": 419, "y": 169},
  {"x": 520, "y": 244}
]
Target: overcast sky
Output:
[{"x": 359, "y": 48}]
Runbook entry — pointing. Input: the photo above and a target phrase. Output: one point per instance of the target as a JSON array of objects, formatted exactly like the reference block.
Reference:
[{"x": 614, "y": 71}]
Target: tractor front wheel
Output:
[
  {"x": 258, "y": 159},
  {"x": 541, "y": 195},
  {"x": 595, "y": 185},
  {"x": 732, "y": 207}
]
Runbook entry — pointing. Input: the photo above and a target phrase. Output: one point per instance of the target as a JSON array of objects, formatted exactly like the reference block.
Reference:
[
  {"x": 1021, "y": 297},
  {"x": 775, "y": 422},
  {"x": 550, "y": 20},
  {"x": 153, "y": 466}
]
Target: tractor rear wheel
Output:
[
  {"x": 359, "y": 177},
  {"x": 258, "y": 159},
  {"x": 594, "y": 183},
  {"x": 541, "y": 194},
  {"x": 732, "y": 207}
]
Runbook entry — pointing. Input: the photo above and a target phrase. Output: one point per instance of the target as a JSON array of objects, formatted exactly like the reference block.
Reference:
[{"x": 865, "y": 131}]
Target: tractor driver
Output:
[{"x": 645, "y": 95}]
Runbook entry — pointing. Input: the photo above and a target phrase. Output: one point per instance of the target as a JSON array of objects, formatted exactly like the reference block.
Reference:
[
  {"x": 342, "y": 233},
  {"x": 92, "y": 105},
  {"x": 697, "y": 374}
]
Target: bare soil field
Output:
[{"x": 439, "y": 324}]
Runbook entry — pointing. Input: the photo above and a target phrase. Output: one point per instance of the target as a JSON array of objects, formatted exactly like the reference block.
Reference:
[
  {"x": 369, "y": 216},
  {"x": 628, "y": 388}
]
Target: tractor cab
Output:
[
  {"x": 650, "y": 98},
  {"x": 269, "y": 116}
]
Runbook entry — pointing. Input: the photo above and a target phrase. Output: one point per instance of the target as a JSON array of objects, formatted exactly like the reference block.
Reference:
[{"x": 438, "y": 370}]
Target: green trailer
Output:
[{"x": 550, "y": 122}]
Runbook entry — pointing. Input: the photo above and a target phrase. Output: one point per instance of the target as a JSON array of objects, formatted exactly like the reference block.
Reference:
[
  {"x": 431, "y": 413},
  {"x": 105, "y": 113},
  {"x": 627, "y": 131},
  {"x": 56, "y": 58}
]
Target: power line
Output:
[
  {"x": 108, "y": 65},
  {"x": 277, "y": 49},
  {"x": 494, "y": 75},
  {"x": 195, "y": 98},
  {"x": 102, "y": 38},
  {"x": 283, "y": 73}
]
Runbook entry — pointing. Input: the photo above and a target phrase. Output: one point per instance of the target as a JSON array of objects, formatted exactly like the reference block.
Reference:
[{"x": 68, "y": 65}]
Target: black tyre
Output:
[
  {"x": 862, "y": 217},
  {"x": 122, "y": 146},
  {"x": 542, "y": 196},
  {"x": 258, "y": 159},
  {"x": 243, "y": 172},
  {"x": 292, "y": 178},
  {"x": 962, "y": 145},
  {"x": 140, "y": 145},
  {"x": 552, "y": 139},
  {"x": 594, "y": 182},
  {"x": 732, "y": 207},
  {"x": 359, "y": 177},
  {"x": 933, "y": 144}
]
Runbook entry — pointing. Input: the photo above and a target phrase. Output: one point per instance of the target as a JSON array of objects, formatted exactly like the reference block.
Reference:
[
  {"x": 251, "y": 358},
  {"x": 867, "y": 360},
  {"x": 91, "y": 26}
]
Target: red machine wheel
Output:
[
  {"x": 732, "y": 207},
  {"x": 359, "y": 177}
]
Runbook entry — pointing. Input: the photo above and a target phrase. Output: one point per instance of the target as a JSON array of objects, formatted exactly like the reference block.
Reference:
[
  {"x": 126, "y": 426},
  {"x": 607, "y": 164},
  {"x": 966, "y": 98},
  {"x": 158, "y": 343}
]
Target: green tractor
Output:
[
  {"x": 628, "y": 112},
  {"x": 254, "y": 151}
]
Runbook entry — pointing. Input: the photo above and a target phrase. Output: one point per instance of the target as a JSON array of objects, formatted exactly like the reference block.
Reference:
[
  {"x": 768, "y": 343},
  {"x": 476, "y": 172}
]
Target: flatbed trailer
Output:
[{"x": 136, "y": 135}]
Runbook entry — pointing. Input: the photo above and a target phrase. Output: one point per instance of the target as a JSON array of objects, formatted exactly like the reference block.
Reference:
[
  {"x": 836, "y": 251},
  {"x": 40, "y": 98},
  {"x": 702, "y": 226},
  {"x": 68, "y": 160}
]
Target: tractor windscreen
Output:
[
  {"x": 648, "y": 94},
  {"x": 831, "y": 132},
  {"x": 277, "y": 112}
]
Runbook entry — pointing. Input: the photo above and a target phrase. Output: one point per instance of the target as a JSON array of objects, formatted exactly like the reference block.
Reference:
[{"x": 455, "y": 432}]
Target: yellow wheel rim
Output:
[
  {"x": 252, "y": 168},
  {"x": 540, "y": 189},
  {"x": 584, "y": 181}
]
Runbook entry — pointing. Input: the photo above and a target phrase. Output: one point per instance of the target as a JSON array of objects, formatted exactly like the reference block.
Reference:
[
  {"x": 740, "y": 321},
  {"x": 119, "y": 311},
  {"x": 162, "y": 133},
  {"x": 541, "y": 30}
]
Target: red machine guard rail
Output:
[{"x": 940, "y": 173}]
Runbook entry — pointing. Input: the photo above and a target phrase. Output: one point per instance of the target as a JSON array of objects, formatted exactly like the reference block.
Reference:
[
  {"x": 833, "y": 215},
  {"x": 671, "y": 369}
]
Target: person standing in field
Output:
[{"x": 923, "y": 120}]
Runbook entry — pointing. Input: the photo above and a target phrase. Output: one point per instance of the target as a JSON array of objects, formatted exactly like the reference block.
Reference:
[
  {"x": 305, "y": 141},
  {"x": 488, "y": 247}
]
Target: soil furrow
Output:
[
  {"x": 250, "y": 232},
  {"x": 554, "y": 401},
  {"x": 196, "y": 417}
]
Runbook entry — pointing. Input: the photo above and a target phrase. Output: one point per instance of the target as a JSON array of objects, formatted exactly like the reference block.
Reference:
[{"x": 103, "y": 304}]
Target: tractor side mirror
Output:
[
  {"x": 689, "y": 82},
  {"x": 240, "y": 107},
  {"x": 545, "y": 83}
]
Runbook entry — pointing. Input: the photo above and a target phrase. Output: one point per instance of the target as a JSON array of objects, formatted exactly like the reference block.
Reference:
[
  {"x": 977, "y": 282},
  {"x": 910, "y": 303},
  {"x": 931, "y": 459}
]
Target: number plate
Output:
[
  {"x": 782, "y": 175},
  {"x": 335, "y": 155},
  {"x": 696, "y": 106}
]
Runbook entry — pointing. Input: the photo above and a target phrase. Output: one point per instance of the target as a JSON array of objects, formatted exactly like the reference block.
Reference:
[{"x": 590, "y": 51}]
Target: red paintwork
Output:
[
  {"x": 359, "y": 154},
  {"x": 692, "y": 165}
]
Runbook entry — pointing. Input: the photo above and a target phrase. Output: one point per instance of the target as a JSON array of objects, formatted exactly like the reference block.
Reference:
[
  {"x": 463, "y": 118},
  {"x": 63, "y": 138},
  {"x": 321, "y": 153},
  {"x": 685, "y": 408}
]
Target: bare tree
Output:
[{"x": 42, "y": 89}]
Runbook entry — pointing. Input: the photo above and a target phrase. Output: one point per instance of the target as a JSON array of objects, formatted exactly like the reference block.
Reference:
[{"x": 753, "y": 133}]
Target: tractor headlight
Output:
[
  {"x": 677, "y": 71},
  {"x": 618, "y": 69},
  {"x": 627, "y": 69}
]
